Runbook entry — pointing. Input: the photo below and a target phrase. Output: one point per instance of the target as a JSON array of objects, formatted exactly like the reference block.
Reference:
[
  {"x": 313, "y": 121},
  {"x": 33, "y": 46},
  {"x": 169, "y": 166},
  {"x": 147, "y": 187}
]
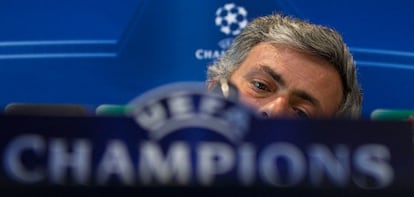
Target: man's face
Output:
[{"x": 282, "y": 82}]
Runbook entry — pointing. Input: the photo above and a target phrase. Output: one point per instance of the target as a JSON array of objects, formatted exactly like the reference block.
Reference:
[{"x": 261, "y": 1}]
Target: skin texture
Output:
[{"x": 278, "y": 81}]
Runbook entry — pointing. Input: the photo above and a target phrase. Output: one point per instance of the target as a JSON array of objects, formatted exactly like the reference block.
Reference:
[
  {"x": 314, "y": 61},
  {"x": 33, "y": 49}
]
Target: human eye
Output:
[
  {"x": 301, "y": 114},
  {"x": 260, "y": 86}
]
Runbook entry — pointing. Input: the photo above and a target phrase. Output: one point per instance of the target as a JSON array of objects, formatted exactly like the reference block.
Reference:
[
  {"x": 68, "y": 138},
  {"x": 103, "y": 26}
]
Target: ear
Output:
[{"x": 211, "y": 85}]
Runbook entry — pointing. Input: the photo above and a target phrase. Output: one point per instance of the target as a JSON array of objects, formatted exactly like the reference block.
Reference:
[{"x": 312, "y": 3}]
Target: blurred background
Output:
[{"x": 94, "y": 52}]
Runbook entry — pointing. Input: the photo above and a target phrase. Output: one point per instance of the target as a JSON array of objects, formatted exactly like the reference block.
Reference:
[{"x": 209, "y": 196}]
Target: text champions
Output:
[{"x": 279, "y": 164}]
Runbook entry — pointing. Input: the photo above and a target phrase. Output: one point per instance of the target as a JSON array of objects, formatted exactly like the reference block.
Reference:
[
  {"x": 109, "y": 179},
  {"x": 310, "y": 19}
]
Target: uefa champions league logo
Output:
[
  {"x": 181, "y": 105},
  {"x": 231, "y": 19}
]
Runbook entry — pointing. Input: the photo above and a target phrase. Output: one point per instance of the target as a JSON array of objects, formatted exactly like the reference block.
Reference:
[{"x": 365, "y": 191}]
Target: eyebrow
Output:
[
  {"x": 299, "y": 93},
  {"x": 306, "y": 96},
  {"x": 275, "y": 76}
]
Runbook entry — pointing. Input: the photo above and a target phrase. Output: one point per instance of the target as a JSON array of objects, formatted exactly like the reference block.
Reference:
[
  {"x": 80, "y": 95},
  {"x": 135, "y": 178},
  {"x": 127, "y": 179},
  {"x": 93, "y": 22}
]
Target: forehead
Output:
[{"x": 300, "y": 71}]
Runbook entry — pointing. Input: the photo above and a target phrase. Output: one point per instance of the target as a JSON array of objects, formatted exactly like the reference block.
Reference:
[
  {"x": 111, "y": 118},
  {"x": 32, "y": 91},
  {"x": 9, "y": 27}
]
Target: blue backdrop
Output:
[{"x": 108, "y": 52}]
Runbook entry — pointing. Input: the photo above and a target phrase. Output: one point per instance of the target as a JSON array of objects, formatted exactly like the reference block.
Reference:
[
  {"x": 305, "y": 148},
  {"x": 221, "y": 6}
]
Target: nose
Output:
[{"x": 278, "y": 107}]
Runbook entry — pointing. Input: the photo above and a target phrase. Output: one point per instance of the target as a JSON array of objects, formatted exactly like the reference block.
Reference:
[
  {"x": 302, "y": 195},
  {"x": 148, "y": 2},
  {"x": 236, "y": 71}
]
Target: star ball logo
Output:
[{"x": 230, "y": 19}]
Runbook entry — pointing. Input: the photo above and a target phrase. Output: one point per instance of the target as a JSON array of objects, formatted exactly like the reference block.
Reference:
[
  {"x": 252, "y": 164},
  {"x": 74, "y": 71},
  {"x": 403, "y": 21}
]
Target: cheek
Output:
[{"x": 249, "y": 101}]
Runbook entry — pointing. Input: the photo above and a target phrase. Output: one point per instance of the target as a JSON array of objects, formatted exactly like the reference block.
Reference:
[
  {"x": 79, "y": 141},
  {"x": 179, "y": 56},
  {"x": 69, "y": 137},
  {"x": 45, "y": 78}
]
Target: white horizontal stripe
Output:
[
  {"x": 385, "y": 65},
  {"x": 57, "y": 42},
  {"x": 382, "y": 52},
  {"x": 57, "y": 55}
]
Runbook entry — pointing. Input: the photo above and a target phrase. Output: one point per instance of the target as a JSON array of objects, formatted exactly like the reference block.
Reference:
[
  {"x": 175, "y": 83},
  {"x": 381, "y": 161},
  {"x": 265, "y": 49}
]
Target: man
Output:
[{"x": 286, "y": 67}]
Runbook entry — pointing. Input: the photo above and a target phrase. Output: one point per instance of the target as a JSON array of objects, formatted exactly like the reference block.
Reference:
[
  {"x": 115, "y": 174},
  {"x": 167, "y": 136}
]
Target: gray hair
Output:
[{"x": 310, "y": 38}]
